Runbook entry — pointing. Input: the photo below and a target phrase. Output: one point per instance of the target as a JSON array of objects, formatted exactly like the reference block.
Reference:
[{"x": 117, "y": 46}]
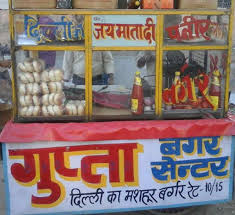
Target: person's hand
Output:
[
  {"x": 110, "y": 79},
  {"x": 141, "y": 62}
]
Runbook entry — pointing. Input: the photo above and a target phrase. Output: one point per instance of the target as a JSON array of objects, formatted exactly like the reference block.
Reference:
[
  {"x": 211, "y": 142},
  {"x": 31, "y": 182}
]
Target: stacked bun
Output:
[
  {"x": 52, "y": 92},
  {"x": 41, "y": 93},
  {"x": 75, "y": 108},
  {"x": 29, "y": 87}
]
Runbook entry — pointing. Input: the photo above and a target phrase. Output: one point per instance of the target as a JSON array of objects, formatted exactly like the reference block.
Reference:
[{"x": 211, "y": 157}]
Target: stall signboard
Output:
[
  {"x": 196, "y": 28},
  {"x": 125, "y": 30},
  {"x": 46, "y": 29},
  {"x": 118, "y": 175}
]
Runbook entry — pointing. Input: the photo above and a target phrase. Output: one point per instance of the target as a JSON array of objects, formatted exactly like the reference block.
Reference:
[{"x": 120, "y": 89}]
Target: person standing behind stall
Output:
[
  {"x": 102, "y": 67},
  {"x": 49, "y": 57}
]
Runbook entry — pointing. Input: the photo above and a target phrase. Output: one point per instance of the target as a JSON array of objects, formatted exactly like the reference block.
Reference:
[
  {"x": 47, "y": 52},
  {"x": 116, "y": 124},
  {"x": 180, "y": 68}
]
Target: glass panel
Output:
[
  {"x": 195, "y": 30},
  {"x": 45, "y": 85},
  {"x": 117, "y": 91},
  {"x": 53, "y": 30},
  {"x": 194, "y": 83}
]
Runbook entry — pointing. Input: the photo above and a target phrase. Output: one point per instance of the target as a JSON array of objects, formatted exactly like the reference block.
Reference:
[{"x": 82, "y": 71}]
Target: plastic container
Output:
[{"x": 137, "y": 96}]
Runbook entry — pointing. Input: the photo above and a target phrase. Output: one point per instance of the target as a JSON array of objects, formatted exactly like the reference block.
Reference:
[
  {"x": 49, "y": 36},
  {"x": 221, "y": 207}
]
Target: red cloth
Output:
[
  {"x": 120, "y": 130},
  {"x": 112, "y": 100}
]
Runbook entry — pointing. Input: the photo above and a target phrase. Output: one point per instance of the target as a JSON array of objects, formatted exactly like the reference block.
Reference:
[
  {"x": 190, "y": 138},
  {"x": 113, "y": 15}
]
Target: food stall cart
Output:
[{"x": 157, "y": 150}]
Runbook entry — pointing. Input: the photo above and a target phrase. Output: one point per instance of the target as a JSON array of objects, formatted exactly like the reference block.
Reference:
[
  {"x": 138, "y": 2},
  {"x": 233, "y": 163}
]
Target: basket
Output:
[
  {"x": 34, "y": 4},
  {"x": 95, "y": 4}
]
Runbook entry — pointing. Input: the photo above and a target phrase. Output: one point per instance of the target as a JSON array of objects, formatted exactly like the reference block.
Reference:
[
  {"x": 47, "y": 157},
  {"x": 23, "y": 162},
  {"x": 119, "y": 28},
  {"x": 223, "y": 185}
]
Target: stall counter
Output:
[{"x": 103, "y": 167}]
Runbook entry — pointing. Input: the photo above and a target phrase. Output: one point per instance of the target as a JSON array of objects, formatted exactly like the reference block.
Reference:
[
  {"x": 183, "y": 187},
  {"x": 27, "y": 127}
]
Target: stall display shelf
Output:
[{"x": 88, "y": 46}]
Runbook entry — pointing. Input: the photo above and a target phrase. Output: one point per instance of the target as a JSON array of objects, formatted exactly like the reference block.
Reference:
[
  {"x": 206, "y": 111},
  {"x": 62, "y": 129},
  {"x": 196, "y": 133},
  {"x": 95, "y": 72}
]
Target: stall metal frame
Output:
[{"x": 88, "y": 48}]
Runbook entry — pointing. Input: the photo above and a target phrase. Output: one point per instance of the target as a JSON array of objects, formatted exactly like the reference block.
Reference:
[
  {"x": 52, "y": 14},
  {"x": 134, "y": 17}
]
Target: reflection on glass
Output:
[
  {"x": 102, "y": 68},
  {"x": 115, "y": 96},
  {"x": 194, "y": 79},
  {"x": 42, "y": 91},
  {"x": 41, "y": 29},
  {"x": 193, "y": 29}
]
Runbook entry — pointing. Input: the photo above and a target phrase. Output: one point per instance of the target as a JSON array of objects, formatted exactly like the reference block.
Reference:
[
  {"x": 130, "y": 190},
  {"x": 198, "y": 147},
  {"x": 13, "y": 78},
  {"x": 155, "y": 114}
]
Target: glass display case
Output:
[{"x": 94, "y": 65}]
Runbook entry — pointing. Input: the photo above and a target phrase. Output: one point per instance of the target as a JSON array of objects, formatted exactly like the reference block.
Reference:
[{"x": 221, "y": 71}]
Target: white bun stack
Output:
[
  {"x": 29, "y": 87},
  {"x": 40, "y": 90},
  {"x": 52, "y": 110},
  {"x": 52, "y": 92},
  {"x": 53, "y": 75},
  {"x": 75, "y": 108},
  {"x": 30, "y": 111}
]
